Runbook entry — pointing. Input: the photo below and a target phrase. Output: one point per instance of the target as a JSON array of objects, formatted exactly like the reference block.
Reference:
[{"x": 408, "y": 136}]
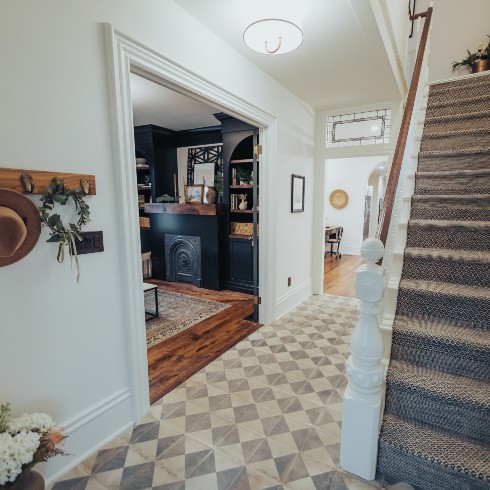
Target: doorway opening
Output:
[
  {"x": 353, "y": 189},
  {"x": 198, "y": 203},
  {"x": 128, "y": 56}
]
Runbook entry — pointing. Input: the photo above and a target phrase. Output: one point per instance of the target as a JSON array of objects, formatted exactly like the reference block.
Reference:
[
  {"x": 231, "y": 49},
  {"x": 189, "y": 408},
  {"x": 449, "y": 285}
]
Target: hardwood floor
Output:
[
  {"x": 339, "y": 274},
  {"x": 173, "y": 361}
]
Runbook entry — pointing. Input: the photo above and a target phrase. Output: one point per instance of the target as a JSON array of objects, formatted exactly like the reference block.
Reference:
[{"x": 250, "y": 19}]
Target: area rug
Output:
[{"x": 177, "y": 313}]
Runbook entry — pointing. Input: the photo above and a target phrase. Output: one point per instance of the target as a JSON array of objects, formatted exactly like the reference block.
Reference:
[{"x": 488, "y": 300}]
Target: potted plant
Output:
[
  {"x": 244, "y": 175},
  {"x": 476, "y": 62},
  {"x": 219, "y": 184},
  {"x": 24, "y": 442}
]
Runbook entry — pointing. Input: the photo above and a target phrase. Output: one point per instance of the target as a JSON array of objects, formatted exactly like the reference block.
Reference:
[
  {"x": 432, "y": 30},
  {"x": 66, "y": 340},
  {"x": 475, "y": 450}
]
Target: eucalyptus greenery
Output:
[
  {"x": 57, "y": 192},
  {"x": 219, "y": 182}
]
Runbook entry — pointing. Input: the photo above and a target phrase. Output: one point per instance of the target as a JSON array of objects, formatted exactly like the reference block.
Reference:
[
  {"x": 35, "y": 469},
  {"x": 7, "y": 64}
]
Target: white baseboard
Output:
[
  {"x": 350, "y": 249},
  {"x": 292, "y": 298},
  {"x": 90, "y": 430}
]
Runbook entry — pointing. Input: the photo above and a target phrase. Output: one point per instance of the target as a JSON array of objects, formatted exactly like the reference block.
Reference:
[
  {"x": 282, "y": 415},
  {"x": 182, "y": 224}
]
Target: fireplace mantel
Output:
[{"x": 189, "y": 208}]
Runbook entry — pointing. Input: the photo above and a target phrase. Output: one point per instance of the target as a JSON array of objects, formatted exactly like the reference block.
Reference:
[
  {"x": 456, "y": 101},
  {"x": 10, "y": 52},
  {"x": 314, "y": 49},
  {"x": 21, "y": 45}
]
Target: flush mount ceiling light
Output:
[{"x": 273, "y": 36}]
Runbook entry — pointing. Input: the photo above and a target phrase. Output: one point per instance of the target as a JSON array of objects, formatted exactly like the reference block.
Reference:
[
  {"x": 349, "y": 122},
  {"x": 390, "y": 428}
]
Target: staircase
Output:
[{"x": 436, "y": 428}]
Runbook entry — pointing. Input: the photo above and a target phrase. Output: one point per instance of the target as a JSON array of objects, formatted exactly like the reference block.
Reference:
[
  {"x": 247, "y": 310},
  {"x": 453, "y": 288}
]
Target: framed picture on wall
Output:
[
  {"x": 297, "y": 194},
  {"x": 194, "y": 193}
]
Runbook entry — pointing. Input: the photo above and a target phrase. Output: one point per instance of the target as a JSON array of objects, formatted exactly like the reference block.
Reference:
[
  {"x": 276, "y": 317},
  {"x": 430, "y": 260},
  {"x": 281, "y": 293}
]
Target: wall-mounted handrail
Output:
[{"x": 392, "y": 184}]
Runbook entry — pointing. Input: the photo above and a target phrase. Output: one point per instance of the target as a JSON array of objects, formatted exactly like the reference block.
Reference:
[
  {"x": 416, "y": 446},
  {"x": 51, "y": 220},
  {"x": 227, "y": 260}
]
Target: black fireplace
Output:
[{"x": 183, "y": 259}]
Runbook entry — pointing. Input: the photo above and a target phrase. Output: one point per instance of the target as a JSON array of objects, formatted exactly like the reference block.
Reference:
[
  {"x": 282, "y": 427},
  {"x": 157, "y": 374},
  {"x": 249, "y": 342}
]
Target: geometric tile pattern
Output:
[{"x": 264, "y": 415}]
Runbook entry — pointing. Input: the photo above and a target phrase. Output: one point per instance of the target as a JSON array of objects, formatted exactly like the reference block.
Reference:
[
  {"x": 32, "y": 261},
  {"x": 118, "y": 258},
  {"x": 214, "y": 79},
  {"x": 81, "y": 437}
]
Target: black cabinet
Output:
[
  {"x": 240, "y": 177},
  {"x": 240, "y": 265},
  {"x": 158, "y": 146}
]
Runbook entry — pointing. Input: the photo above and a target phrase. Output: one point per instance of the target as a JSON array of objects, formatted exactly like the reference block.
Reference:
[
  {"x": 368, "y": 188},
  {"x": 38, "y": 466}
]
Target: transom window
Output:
[{"x": 359, "y": 128}]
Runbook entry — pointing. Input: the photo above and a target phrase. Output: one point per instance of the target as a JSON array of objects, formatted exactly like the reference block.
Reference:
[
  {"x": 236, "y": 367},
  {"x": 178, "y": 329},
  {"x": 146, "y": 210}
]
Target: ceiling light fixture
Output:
[
  {"x": 374, "y": 128},
  {"x": 273, "y": 36}
]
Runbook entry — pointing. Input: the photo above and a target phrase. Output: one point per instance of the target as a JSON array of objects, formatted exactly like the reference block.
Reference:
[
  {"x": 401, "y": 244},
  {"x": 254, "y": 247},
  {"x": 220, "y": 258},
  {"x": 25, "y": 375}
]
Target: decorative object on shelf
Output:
[
  {"x": 57, "y": 192},
  {"x": 27, "y": 440},
  {"x": 167, "y": 198},
  {"x": 202, "y": 155},
  {"x": 476, "y": 62},
  {"x": 338, "y": 199},
  {"x": 243, "y": 202},
  {"x": 297, "y": 194},
  {"x": 244, "y": 175},
  {"x": 144, "y": 222},
  {"x": 194, "y": 193},
  {"x": 246, "y": 229},
  {"x": 20, "y": 226},
  {"x": 210, "y": 194},
  {"x": 273, "y": 36}
]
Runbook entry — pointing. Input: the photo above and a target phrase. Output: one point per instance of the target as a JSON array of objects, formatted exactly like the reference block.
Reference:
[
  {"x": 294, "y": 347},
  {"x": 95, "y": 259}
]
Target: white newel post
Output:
[{"x": 365, "y": 371}]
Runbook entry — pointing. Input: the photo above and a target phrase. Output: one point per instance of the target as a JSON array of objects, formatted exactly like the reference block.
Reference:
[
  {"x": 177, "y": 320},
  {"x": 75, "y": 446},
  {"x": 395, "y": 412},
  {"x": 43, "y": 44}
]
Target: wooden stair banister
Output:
[{"x": 392, "y": 184}]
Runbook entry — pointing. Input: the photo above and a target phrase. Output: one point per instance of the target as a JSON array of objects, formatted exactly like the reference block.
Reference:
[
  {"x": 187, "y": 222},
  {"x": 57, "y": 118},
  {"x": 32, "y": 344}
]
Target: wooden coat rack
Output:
[{"x": 11, "y": 178}]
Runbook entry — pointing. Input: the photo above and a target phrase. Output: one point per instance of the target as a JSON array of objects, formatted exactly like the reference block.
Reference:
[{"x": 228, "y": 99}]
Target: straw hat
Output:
[{"x": 20, "y": 226}]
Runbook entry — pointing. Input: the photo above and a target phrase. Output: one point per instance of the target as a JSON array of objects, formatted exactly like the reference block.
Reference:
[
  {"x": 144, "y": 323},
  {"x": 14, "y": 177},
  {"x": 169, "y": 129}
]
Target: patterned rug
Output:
[
  {"x": 436, "y": 430},
  {"x": 178, "y": 312}
]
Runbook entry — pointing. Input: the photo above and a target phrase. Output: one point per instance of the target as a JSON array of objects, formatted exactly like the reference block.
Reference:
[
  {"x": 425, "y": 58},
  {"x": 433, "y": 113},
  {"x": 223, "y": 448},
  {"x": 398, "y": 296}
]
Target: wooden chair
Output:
[{"x": 333, "y": 237}]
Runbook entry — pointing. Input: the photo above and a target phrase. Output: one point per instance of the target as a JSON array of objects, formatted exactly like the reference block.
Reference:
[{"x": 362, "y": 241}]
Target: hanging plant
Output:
[{"x": 65, "y": 237}]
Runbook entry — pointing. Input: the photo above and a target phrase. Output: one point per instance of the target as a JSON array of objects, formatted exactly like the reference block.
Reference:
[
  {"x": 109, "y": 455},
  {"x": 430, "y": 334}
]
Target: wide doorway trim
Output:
[{"x": 126, "y": 55}]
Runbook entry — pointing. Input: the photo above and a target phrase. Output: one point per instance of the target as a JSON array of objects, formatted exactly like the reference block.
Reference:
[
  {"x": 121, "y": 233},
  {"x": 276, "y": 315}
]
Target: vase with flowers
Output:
[
  {"x": 478, "y": 61},
  {"x": 24, "y": 442}
]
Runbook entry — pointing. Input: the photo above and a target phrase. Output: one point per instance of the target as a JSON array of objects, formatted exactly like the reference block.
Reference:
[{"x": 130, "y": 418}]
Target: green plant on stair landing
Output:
[
  {"x": 482, "y": 54},
  {"x": 57, "y": 192}
]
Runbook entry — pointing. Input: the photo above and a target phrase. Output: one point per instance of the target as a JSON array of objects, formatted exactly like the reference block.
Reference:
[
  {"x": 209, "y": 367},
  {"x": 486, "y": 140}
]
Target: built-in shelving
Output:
[{"x": 242, "y": 186}]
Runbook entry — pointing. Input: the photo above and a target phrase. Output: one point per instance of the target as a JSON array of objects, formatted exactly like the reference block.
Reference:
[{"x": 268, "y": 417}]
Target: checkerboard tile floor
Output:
[{"x": 264, "y": 415}]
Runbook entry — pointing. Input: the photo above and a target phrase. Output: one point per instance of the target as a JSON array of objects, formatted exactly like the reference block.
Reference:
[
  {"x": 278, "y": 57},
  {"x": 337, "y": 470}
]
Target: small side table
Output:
[{"x": 150, "y": 315}]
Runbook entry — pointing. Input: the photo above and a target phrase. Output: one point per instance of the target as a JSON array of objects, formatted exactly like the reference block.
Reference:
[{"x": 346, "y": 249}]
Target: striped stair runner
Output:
[{"x": 436, "y": 427}]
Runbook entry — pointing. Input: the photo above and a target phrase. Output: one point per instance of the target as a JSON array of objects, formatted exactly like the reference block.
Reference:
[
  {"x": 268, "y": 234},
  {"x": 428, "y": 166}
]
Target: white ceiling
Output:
[
  {"x": 155, "y": 104},
  {"x": 341, "y": 63}
]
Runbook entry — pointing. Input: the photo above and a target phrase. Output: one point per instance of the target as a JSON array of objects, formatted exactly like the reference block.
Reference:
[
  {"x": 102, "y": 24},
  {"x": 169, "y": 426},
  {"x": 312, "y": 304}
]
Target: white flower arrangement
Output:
[
  {"x": 15, "y": 452},
  {"x": 25, "y": 441}
]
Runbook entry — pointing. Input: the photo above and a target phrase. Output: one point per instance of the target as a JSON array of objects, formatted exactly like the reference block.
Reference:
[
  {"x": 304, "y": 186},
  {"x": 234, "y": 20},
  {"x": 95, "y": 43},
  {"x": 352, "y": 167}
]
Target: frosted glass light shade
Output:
[{"x": 273, "y": 36}]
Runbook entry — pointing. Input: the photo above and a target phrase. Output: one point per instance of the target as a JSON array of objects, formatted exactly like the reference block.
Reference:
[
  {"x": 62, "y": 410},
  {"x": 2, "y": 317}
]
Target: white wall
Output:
[
  {"x": 457, "y": 26},
  {"x": 350, "y": 175},
  {"x": 63, "y": 348}
]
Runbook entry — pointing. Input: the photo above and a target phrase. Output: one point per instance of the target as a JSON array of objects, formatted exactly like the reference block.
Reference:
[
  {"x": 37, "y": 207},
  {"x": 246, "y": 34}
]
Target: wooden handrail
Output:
[
  {"x": 416, "y": 16},
  {"x": 401, "y": 144}
]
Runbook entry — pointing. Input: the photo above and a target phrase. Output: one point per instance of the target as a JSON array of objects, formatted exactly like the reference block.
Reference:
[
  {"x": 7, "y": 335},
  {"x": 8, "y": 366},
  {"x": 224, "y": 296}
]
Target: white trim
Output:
[
  {"x": 92, "y": 421},
  {"x": 461, "y": 77},
  {"x": 396, "y": 59},
  {"x": 91, "y": 413},
  {"x": 350, "y": 249},
  {"x": 293, "y": 298},
  {"x": 127, "y": 55},
  {"x": 318, "y": 246}
]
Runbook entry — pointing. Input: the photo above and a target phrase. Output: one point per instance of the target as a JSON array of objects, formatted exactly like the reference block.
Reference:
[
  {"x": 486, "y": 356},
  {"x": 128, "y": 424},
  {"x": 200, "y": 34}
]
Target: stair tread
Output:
[
  {"x": 460, "y": 151},
  {"x": 451, "y": 333},
  {"x": 454, "y": 173},
  {"x": 455, "y": 132},
  {"x": 458, "y": 116},
  {"x": 450, "y": 224},
  {"x": 451, "y": 387},
  {"x": 450, "y": 255},
  {"x": 437, "y": 446},
  {"x": 445, "y": 288}
]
